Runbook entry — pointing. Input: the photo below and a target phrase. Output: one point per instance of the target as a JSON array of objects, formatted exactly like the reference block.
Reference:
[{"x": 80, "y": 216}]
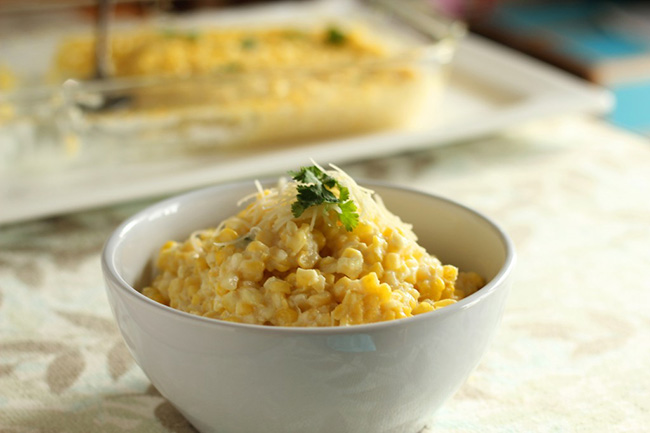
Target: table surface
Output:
[{"x": 572, "y": 352}]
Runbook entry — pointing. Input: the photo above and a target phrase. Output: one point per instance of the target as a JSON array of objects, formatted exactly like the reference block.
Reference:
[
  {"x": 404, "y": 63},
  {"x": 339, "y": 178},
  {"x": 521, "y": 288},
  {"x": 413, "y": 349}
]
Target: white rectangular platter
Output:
[{"x": 492, "y": 88}]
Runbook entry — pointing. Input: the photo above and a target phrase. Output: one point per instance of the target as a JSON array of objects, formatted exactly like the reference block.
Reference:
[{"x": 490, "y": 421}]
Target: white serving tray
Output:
[{"x": 492, "y": 88}]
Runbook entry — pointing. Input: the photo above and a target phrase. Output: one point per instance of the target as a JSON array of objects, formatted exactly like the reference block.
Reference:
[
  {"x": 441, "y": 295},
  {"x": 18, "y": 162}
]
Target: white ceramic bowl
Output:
[{"x": 235, "y": 378}]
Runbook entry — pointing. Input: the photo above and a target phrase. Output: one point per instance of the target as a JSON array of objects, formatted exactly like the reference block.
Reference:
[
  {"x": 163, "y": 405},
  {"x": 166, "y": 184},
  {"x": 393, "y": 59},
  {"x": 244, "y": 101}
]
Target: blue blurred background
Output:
[{"x": 606, "y": 42}]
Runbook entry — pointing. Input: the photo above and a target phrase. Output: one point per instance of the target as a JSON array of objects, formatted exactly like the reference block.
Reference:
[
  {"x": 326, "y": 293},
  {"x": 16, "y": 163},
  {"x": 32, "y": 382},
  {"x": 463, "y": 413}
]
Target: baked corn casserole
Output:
[
  {"x": 317, "y": 250},
  {"x": 181, "y": 53},
  {"x": 260, "y": 85},
  {"x": 7, "y": 83},
  {"x": 7, "y": 78}
]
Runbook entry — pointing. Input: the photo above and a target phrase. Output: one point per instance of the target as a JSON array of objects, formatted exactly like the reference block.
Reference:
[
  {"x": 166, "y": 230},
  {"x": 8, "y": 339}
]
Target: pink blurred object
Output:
[{"x": 463, "y": 9}]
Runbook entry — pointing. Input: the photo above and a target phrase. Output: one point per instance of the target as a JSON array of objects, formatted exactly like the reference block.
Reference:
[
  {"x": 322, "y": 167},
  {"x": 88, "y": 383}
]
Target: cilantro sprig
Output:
[
  {"x": 335, "y": 36},
  {"x": 315, "y": 188},
  {"x": 249, "y": 44}
]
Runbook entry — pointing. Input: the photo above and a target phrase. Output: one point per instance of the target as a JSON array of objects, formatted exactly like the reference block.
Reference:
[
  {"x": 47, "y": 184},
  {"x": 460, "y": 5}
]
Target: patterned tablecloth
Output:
[{"x": 572, "y": 354}]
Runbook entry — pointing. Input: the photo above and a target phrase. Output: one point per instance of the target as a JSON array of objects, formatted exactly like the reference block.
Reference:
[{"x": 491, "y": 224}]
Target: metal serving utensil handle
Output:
[{"x": 102, "y": 48}]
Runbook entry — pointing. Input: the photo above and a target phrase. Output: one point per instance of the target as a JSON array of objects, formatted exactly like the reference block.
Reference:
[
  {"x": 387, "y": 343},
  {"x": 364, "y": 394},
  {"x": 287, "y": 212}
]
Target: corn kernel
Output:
[
  {"x": 449, "y": 273},
  {"x": 443, "y": 303},
  {"x": 279, "y": 260},
  {"x": 226, "y": 235},
  {"x": 286, "y": 316},
  {"x": 258, "y": 250},
  {"x": 155, "y": 295},
  {"x": 341, "y": 287},
  {"x": 310, "y": 278},
  {"x": 396, "y": 242},
  {"x": 423, "y": 307},
  {"x": 319, "y": 238},
  {"x": 392, "y": 261},
  {"x": 350, "y": 263},
  {"x": 320, "y": 299},
  {"x": 229, "y": 302},
  {"x": 277, "y": 285},
  {"x": 252, "y": 270},
  {"x": 327, "y": 265},
  {"x": 244, "y": 308}
]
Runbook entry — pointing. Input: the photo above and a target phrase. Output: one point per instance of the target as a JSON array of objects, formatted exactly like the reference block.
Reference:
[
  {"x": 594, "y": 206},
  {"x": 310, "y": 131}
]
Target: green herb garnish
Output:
[
  {"x": 249, "y": 43},
  {"x": 173, "y": 33},
  {"x": 334, "y": 36},
  {"x": 232, "y": 67},
  {"x": 315, "y": 189}
]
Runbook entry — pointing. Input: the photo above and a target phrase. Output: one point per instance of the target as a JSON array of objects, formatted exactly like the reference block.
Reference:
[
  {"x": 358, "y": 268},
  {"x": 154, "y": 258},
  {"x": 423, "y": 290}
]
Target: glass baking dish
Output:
[{"x": 241, "y": 103}]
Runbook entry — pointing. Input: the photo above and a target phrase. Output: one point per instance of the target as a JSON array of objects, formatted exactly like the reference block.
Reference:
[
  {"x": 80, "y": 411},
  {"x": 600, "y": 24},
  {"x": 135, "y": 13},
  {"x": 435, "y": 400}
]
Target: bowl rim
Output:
[{"x": 114, "y": 240}]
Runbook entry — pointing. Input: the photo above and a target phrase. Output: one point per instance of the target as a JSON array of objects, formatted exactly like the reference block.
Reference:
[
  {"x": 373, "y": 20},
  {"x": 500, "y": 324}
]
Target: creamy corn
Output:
[
  {"x": 267, "y": 85},
  {"x": 181, "y": 53},
  {"x": 264, "y": 266}
]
